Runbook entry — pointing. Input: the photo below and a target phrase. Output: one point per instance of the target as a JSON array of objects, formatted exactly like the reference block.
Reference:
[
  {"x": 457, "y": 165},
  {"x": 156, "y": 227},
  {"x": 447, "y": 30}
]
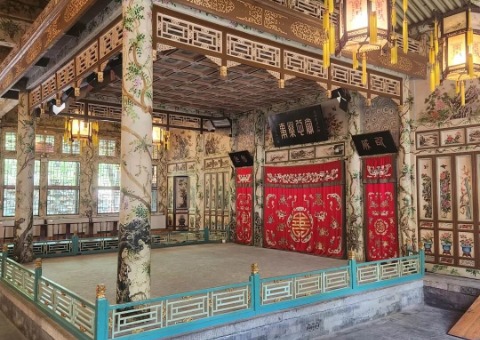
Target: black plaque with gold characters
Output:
[
  {"x": 376, "y": 143},
  {"x": 298, "y": 127}
]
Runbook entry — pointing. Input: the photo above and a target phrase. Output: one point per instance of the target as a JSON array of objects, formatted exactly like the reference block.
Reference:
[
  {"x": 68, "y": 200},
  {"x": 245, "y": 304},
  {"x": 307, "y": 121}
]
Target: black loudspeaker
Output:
[
  {"x": 241, "y": 158},
  {"x": 343, "y": 96}
]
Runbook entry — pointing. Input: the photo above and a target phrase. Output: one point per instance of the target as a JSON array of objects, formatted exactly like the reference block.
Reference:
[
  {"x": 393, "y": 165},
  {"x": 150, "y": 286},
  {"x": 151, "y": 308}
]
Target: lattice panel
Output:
[
  {"x": 278, "y": 290},
  {"x": 185, "y": 32},
  {"x": 178, "y": 120},
  {"x": 385, "y": 85},
  {"x": 162, "y": 117},
  {"x": 76, "y": 108},
  {"x": 36, "y": 96},
  {"x": 367, "y": 274},
  {"x": 87, "y": 59},
  {"x": 347, "y": 75},
  {"x": 19, "y": 278},
  {"x": 308, "y": 285},
  {"x": 49, "y": 87},
  {"x": 337, "y": 280},
  {"x": 254, "y": 51},
  {"x": 66, "y": 75},
  {"x": 70, "y": 308},
  {"x": 308, "y": 7},
  {"x": 111, "y": 40},
  {"x": 410, "y": 267},
  {"x": 103, "y": 111},
  {"x": 390, "y": 270},
  {"x": 304, "y": 64}
]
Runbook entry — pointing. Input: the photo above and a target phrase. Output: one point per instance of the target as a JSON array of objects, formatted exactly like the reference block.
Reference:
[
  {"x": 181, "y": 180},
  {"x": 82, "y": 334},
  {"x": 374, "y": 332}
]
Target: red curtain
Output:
[
  {"x": 244, "y": 205},
  {"x": 380, "y": 203},
  {"x": 304, "y": 208}
]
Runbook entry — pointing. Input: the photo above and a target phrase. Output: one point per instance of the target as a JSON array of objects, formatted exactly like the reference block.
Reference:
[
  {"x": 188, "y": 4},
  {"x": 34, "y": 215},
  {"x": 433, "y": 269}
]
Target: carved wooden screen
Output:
[
  {"x": 448, "y": 208},
  {"x": 216, "y": 198}
]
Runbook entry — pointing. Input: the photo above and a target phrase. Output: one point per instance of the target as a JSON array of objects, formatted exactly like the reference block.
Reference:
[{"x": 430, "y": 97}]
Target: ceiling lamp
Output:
[
  {"x": 82, "y": 130},
  {"x": 160, "y": 137},
  {"x": 461, "y": 50},
  {"x": 365, "y": 27}
]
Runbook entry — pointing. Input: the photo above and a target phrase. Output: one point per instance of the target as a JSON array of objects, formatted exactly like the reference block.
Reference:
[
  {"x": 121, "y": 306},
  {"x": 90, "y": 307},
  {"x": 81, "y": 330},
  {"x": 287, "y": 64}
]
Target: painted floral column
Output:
[
  {"x": 258, "y": 168},
  {"x": 354, "y": 198},
  {"x": 23, "y": 249},
  {"x": 406, "y": 178},
  {"x": 133, "y": 276}
]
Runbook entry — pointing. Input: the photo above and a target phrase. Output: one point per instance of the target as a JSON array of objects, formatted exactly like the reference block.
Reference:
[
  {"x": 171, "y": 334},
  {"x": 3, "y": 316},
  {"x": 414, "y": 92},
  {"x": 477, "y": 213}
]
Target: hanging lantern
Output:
[
  {"x": 82, "y": 130},
  {"x": 365, "y": 26},
  {"x": 461, "y": 52},
  {"x": 160, "y": 137}
]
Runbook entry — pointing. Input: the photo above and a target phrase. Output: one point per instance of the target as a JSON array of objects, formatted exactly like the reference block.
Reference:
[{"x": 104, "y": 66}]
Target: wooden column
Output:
[
  {"x": 133, "y": 277},
  {"x": 23, "y": 236}
]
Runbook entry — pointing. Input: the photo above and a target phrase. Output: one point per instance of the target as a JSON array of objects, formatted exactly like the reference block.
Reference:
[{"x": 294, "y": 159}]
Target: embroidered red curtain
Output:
[
  {"x": 380, "y": 203},
  {"x": 304, "y": 208},
  {"x": 244, "y": 205}
]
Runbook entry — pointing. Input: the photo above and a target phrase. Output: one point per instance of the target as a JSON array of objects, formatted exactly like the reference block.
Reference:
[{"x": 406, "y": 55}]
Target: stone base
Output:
[
  {"x": 33, "y": 323},
  {"x": 450, "y": 292},
  {"x": 324, "y": 318}
]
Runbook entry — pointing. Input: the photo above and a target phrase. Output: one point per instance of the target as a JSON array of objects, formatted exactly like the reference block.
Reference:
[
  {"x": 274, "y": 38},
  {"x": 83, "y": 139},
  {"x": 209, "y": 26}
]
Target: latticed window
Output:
[
  {"x": 10, "y": 141},
  {"x": 107, "y": 147},
  {"x": 45, "y": 143},
  {"x": 71, "y": 148},
  {"x": 63, "y": 188},
  {"x": 108, "y": 193},
  {"x": 9, "y": 182}
]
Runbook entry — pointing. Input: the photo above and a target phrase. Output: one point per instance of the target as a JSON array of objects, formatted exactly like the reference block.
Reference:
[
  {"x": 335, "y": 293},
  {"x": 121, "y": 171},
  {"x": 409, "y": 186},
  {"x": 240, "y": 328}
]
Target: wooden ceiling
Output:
[{"x": 186, "y": 79}]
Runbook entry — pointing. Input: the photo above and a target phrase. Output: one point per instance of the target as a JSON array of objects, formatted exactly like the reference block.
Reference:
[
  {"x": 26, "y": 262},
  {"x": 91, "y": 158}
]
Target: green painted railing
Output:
[
  {"x": 78, "y": 246},
  {"x": 181, "y": 313}
]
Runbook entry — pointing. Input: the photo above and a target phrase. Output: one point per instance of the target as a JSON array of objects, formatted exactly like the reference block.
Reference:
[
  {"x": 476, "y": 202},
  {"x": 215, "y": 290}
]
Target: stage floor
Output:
[{"x": 182, "y": 269}]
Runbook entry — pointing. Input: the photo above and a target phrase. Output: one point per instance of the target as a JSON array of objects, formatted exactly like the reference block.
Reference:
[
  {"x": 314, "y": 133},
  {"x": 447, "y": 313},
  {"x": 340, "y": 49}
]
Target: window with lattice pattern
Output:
[
  {"x": 71, "y": 148},
  {"x": 9, "y": 182},
  {"x": 63, "y": 188},
  {"x": 108, "y": 193},
  {"x": 10, "y": 141},
  {"x": 45, "y": 143},
  {"x": 107, "y": 147}
]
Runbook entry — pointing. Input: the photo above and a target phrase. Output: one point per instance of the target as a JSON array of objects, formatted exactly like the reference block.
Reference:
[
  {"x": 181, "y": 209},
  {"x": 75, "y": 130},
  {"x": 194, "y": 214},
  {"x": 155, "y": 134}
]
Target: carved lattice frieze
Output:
[
  {"x": 347, "y": 75},
  {"x": 385, "y": 85},
  {"x": 35, "y": 96},
  {"x": 247, "y": 49},
  {"x": 102, "y": 111},
  {"x": 187, "y": 121},
  {"x": 66, "y": 75},
  {"x": 49, "y": 87},
  {"x": 188, "y": 33},
  {"x": 88, "y": 58},
  {"x": 76, "y": 108},
  {"x": 111, "y": 39},
  {"x": 304, "y": 64}
]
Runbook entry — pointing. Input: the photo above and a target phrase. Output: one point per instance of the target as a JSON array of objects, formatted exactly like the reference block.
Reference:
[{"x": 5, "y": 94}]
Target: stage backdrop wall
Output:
[
  {"x": 380, "y": 203},
  {"x": 304, "y": 208},
  {"x": 244, "y": 205}
]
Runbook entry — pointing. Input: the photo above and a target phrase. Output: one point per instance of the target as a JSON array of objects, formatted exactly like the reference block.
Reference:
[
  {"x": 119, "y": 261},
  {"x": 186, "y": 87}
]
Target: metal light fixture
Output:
[
  {"x": 461, "y": 50},
  {"x": 82, "y": 130},
  {"x": 160, "y": 137},
  {"x": 365, "y": 26}
]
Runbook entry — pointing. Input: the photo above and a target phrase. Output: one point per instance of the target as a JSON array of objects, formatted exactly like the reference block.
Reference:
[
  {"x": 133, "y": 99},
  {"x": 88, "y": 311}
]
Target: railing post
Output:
[
  {"x": 75, "y": 246},
  {"x": 101, "y": 314},
  {"x": 353, "y": 268},
  {"x": 206, "y": 234},
  {"x": 256, "y": 288},
  {"x": 421, "y": 254},
  {"x": 38, "y": 275},
  {"x": 4, "y": 258}
]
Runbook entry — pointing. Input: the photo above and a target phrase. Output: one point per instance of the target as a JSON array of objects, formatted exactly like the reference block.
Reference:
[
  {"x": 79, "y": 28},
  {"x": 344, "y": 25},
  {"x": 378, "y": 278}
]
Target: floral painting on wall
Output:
[
  {"x": 466, "y": 245},
  {"x": 444, "y": 183},
  {"x": 446, "y": 242},
  {"x": 428, "y": 241}
]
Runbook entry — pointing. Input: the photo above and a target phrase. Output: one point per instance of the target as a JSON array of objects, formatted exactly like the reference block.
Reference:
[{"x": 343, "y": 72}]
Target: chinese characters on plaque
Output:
[
  {"x": 376, "y": 143},
  {"x": 298, "y": 127}
]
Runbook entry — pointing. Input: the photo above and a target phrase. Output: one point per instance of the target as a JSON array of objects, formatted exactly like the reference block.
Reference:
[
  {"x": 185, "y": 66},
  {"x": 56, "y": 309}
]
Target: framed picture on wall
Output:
[
  {"x": 181, "y": 220},
  {"x": 428, "y": 139},
  {"x": 182, "y": 192},
  {"x": 452, "y": 137}
]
